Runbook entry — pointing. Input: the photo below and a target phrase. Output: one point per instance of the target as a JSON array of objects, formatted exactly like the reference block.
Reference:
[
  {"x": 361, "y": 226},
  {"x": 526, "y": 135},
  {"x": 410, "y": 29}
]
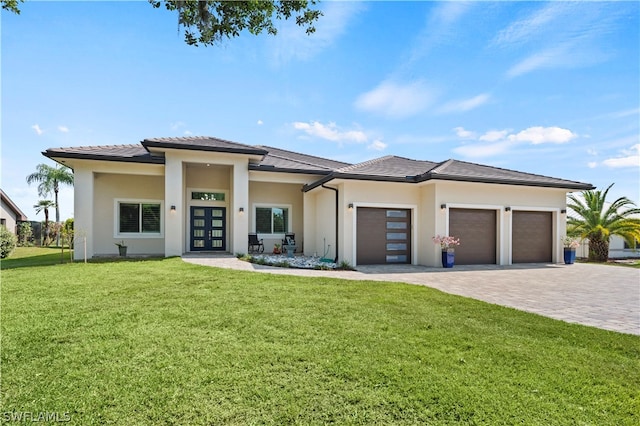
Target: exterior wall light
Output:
[
  {"x": 443, "y": 206},
  {"x": 173, "y": 209},
  {"x": 563, "y": 211},
  {"x": 350, "y": 206},
  {"x": 241, "y": 211},
  {"x": 507, "y": 209}
]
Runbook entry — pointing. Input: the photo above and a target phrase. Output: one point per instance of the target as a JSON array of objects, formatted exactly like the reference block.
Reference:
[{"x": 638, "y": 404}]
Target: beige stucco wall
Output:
[
  {"x": 377, "y": 194},
  {"x": 428, "y": 216},
  {"x": 284, "y": 194},
  {"x": 110, "y": 187},
  {"x": 212, "y": 177},
  {"x": 497, "y": 197},
  {"x": 428, "y": 219},
  {"x": 320, "y": 225},
  {"x": 9, "y": 216}
]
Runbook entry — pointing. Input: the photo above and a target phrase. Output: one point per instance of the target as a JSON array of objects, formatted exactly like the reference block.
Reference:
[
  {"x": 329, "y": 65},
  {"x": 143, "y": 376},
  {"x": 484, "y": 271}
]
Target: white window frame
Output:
[
  {"x": 273, "y": 206},
  {"x": 116, "y": 218}
]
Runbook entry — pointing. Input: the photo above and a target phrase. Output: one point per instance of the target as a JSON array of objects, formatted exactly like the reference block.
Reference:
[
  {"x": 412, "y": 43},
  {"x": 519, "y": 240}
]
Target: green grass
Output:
[
  {"x": 35, "y": 256},
  {"x": 166, "y": 342}
]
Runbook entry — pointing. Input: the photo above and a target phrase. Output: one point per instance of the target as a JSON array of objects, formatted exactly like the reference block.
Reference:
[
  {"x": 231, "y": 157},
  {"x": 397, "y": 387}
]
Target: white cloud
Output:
[
  {"x": 624, "y": 113},
  {"x": 630, "y": 158},
  {"x": 483, "y": 149},
  {"x": 592, "y": 164},
  {"x": 260, "y": 123},
  {"x": 330, "y": 132},
  {"x": 496, "y": 142},
  {"x": 187, "y": 133},
  {"x": 466, "y": 104},
  {"x": 377, "y": 145},
  {"x": 549, "y": 58},
  {"x": 36, "y": 128},
  {"x": 464, "y": 134},
  {"x": 63, "y": 129},
  {"x": 592, "y": 151},
  {"x": 177, "y": 125},
  {"x": 396, "y": 100},
  {"x": 524, "y": 29},
  {"x": 494, "y": 135},
  {"x": 439, "y": 29},
  {"x": 537, "y": 135},
  {"x": 293, "y": 42}
]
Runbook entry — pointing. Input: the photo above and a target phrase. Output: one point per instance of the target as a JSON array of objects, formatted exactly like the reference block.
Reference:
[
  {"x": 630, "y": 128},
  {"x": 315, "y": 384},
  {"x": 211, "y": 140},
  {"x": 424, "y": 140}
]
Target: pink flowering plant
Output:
[
  {"x": 570, "y": 242},
  {"x": 446, "y": 242}
]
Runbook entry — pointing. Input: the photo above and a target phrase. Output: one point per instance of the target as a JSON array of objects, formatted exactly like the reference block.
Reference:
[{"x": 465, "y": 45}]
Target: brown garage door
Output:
[
  {"x": 383, "y": 236},
  {"x": 531, "y": 237},
  {"x": 476, "y": 229}
]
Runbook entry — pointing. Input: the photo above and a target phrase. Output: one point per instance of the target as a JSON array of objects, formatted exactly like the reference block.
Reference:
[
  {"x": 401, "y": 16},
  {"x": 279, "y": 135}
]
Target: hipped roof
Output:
[{"x": 388, "y": 168}]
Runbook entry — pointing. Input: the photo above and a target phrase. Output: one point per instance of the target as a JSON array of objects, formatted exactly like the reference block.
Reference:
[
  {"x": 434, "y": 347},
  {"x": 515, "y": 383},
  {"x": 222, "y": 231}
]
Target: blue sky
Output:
[{"x": 547, "y": 88}]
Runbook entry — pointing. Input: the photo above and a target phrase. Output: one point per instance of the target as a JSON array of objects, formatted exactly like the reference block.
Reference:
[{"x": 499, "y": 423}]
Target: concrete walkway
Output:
[{"x": 602, "y": 296}]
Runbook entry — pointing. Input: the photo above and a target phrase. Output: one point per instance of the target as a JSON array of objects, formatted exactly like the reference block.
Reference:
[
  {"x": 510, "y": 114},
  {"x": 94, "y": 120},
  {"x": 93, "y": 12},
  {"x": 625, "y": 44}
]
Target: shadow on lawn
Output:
[{"x": 48, "y": 259}]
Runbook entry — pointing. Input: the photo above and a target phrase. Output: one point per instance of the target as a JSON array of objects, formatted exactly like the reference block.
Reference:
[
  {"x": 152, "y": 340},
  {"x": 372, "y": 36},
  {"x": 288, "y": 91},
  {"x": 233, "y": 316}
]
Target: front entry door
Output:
[{"x": 208, "y": 229}]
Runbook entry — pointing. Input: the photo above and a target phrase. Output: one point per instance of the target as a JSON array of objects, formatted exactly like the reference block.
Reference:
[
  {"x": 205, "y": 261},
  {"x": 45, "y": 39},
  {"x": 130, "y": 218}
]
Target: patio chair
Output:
[
  {"x": 255, "y": 244},
  {"x": 289, "y": 240}
]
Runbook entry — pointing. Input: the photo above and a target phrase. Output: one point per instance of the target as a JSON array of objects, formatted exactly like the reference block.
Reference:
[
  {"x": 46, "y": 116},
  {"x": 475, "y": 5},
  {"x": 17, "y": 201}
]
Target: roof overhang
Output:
[
  {"x": 571, "y": 186},
  {"x": 64, "y": 157},
  {"x": 160, "y": 146}
]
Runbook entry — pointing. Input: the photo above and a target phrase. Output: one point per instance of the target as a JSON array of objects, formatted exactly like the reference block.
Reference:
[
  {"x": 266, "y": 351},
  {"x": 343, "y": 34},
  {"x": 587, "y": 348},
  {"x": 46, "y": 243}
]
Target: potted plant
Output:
[
  {"x": 122, "y": 248},
  {"x": 447, "y": 244},
  {"x": 276, "y": 249},
  {"x": 570, "y": 246}
]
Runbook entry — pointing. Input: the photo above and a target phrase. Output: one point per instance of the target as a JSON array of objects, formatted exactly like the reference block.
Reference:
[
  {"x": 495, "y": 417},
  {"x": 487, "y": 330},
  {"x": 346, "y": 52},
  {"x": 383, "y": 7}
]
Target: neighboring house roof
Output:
[
  {"x": 5, "y": 199},
  {"x": 388, "y": 168}
]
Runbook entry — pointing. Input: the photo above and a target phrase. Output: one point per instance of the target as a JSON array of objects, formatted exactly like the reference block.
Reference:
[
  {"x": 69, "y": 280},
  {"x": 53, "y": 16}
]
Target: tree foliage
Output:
[
  {"x": 44, "y": 206},
  {"x": 49, "y": 180},
  {"x": 597, "y": 221},
  {"x": 209, "y": 22},
  {"x": 11, "y": 5}
]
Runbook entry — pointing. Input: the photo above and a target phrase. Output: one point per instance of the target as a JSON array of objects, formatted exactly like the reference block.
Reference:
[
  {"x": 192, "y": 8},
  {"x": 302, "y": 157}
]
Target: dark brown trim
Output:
[
  {"x": 248, "y": 151},
  {"x": 259, "y": 168},
  {"x": 428, "y": 176},
  {"x": 145, "y": 159},
  {"x": 571, "y": 185}
]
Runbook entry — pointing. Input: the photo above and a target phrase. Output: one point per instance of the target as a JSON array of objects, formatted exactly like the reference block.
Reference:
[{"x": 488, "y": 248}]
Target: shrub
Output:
[
  {"x": 8, "y": 242},
  {"x": 345, "y": 266},
  {"x": 25, "y": 233},
  {"x": 67, "y": 232}
]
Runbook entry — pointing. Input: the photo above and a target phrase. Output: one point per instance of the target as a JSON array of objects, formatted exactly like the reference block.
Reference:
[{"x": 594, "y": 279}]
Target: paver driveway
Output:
[{"x": 602, "y": 296}]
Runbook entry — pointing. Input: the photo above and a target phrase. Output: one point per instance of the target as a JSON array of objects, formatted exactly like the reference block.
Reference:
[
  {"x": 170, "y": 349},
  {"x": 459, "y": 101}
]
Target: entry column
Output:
[{"x": 174, "y": 196}]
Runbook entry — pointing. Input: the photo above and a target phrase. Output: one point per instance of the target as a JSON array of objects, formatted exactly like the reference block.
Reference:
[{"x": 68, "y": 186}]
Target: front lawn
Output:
[{"x": 166, "y": 342}]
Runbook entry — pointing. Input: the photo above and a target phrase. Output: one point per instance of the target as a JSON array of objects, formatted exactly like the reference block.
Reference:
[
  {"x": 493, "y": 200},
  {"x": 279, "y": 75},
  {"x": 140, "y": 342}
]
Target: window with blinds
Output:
[
  {"x": 139, "y": 218},
  {"x": 272, "y": 220}
]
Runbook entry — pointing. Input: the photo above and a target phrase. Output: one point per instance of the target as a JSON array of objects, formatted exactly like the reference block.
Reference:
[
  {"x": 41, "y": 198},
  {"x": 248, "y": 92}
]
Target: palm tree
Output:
[
  {"x": 45, "y": 205},
  {"x": 597, "y": 221},
  {"x": 49, "y": 179}
]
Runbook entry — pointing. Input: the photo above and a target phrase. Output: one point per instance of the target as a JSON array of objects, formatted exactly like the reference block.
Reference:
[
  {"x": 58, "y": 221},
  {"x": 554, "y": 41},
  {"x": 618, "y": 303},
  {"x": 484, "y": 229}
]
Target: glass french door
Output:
[{"x": 208, "y": 229}]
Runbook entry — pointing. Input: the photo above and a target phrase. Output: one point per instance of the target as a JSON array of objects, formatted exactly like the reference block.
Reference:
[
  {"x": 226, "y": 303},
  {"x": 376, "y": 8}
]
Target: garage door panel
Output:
[
  {"x": 383, "y": 236},
  {"x": 476, "y": 229},
  {"x": 370, "y": 235},
  {"x": 531, "y": 236}
]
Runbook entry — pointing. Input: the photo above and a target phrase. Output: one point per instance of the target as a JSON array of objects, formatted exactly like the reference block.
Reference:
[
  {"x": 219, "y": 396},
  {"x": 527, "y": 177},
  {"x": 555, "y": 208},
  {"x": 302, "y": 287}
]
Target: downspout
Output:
[{"x": 337, "y": 201}]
